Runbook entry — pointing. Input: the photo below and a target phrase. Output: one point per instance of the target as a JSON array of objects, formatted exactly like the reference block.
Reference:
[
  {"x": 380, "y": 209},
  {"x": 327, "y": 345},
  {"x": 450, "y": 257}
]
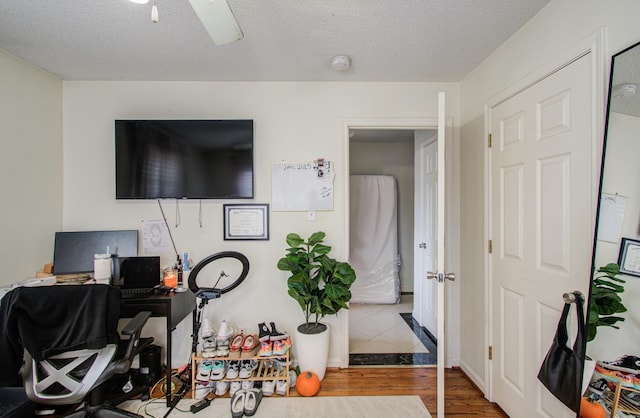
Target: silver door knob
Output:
[
  {"x": 432, "y": 275},
  {"x": 450, "y": 276}
]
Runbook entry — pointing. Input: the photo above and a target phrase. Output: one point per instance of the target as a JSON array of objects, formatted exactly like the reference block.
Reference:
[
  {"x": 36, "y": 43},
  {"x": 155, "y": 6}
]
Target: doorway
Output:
[{"x": 383, "y": 330}]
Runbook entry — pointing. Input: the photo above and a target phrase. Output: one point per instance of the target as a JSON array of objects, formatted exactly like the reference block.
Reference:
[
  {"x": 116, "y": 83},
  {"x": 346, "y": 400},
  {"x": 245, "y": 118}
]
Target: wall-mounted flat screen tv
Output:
[{"x": 184, "y": 159}]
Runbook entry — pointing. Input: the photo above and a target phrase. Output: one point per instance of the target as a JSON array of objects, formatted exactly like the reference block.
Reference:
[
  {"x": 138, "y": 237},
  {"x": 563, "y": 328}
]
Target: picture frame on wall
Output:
[
  {"x": 629, "y": 257},
  {"x": 246, "y": 221}
]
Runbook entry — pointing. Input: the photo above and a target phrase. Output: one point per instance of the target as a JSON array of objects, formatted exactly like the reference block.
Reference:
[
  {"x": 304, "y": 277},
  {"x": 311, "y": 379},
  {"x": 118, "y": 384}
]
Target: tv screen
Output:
[{"x": 192, "y": 159}]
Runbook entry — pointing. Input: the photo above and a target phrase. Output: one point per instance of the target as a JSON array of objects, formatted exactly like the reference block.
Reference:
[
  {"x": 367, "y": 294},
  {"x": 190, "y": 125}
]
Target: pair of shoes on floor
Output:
[{"x": 245, "y": 402}]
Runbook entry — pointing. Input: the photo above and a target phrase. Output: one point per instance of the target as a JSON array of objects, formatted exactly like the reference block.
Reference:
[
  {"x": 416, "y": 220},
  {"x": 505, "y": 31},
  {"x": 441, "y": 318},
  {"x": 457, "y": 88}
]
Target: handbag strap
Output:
[{"x": 561, "y": 333}]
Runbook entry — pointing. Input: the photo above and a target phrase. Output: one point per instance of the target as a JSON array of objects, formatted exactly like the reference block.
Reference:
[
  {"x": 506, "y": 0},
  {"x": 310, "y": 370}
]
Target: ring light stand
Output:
[{"x": 205, "y": 294}]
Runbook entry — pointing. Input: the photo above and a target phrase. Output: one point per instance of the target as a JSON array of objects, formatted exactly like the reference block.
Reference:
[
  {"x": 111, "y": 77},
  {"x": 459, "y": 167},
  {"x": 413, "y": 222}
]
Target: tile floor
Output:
[{"x": 379, "y": 334}]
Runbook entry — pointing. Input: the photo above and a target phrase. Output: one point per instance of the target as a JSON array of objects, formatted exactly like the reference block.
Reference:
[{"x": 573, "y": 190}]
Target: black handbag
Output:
[{"x": 561, "y": 370}]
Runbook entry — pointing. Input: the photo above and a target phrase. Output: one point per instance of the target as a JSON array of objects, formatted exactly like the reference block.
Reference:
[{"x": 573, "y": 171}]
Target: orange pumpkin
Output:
[
  {"x": 590, "y": 409},
  {"x": 307, "y": 384}
]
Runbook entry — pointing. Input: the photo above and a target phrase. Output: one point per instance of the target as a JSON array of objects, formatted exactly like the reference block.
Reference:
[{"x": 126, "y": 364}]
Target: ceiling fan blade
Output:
[{"x": 218, "y": 20}]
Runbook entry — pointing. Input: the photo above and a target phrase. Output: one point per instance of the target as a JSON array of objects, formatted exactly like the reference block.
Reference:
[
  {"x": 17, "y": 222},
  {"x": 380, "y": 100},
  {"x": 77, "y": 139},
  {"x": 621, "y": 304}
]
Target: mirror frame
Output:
[{"x": 612, "y": 67}]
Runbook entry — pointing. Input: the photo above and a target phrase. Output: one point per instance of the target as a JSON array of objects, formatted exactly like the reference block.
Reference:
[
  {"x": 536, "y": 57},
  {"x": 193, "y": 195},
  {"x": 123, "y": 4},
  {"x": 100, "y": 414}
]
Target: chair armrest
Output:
[
  {"x": 133, "y": 329},
  {"x": 136, "y": 323}
]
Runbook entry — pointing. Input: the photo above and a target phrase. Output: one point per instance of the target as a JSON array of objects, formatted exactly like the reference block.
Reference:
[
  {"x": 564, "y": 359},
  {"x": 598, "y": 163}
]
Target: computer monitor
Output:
[{"x": 74, "y": 251}]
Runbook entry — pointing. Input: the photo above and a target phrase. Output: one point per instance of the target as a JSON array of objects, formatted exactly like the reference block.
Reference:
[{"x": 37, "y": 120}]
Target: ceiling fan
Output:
[{"x": 215, "y": 15}]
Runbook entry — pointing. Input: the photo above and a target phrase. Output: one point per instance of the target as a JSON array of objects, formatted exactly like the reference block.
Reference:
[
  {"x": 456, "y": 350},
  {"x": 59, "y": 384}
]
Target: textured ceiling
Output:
[{"x": 284, "y": 40}]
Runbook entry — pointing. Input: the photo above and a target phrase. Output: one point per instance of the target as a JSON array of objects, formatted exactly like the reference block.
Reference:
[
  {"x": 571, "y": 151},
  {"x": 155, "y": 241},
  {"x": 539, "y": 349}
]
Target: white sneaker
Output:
[
  {"x": 222, "y": 388},
  {"x": 281, "y": 387},
  {"x": 247, "y": 384},
  {"x": 235, "y": 386},
  {"x": 268, "y": 386},
  {"x": 225, "y": 333},
  {"x": 206, "y": 330},
  {"x": 203, "y": 389}
]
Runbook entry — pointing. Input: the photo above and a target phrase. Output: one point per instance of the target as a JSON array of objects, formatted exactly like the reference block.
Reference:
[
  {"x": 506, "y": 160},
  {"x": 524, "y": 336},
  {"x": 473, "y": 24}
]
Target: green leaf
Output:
[
  {"x": 321, "y": 249},
  {"x": 611, "y": 268},
  {"x": 294, "y": 240},
  {"x": 316, "y": 238}
]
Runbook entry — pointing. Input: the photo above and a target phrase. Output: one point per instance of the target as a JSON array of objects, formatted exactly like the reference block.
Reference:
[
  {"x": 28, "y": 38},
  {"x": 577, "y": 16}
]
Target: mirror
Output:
[{"x": 618, "y": 233}]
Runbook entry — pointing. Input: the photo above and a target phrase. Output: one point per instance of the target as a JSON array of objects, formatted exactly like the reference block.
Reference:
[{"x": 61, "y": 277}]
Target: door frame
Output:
[
  {"x": 452, "y": 230},
  {"x": 593, "y": 45}
]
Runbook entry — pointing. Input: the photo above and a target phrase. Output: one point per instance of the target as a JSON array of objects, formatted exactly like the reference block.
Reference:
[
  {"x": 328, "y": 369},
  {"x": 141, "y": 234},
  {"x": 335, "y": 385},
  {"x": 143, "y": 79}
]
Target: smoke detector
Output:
[
  {"x": 341, "y": 62},
  {"x": 624, "y": 90}
]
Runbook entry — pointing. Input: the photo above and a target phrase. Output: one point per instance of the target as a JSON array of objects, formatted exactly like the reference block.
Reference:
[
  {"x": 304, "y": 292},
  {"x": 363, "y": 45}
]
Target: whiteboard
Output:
[{"x": 299, "y": 186}]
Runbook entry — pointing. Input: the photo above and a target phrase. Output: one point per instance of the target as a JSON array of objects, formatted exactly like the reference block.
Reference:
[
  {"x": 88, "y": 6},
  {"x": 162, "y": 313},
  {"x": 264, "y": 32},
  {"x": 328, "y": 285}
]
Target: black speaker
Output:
[{"x": 150, "y": 363}]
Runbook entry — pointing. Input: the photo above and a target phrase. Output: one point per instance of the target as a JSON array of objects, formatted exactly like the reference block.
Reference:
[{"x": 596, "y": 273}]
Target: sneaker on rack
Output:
[
  {"x": 235, "y": 386},
  {"x": 222, "y": 388},
  {"x": 626, "y": 379},
  {"x": 266, "y": 348},
  {"x": 276, "y": 335},
  {"x": 598, "y": 386},
  {"x": 632, "y": 397},
  {"x": 626, "y": 363},
  {"x": 203, "y": 389},
  {"x": 206, "y": 330},
  {"x": 247, "y": 384},
  {"x": 281, "y": 387},
  {"x": 268, "y": 387},
  {"x": 218, "y": 370},
  {"x": 224, "y": 333},
  {"x": 233, "y": 370},
  {"x": 204, "y": 371},
  {"x": 280, "y": 347}
]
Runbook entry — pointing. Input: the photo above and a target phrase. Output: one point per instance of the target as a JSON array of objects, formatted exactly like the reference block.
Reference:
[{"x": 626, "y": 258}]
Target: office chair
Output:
[{"x": 72, "y": 363}]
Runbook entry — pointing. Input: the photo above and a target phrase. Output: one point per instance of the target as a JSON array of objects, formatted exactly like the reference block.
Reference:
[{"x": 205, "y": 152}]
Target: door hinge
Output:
[
  {"x": 490, "y": 246},
  {"x": 490, "y": 353},
  {"x": 489, "y": 140}
]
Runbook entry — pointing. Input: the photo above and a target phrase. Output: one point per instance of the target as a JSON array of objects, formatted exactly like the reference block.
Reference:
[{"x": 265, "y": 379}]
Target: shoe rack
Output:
[
  {"x": 618, "y": 402},
  {"x": 266, "y": 370}
]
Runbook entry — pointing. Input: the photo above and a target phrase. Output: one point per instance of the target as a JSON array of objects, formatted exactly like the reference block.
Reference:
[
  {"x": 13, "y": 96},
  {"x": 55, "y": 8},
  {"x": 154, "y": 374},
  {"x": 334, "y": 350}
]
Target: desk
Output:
[{"x": 174, "y": 307}]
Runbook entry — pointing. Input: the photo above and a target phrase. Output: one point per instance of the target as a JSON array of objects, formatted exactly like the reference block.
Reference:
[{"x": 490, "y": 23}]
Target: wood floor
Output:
[{"x": 462, "y": 398}]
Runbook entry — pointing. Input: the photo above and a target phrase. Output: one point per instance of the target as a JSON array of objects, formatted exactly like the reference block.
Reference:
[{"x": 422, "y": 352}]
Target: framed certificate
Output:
[
  {"x": 246, "y": 222},
  {"x": 629, "y": 258}
]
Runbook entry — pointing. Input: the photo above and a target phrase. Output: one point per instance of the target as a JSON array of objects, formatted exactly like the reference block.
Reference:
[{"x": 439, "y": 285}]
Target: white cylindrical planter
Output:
[{"x": 312, "y": 351}]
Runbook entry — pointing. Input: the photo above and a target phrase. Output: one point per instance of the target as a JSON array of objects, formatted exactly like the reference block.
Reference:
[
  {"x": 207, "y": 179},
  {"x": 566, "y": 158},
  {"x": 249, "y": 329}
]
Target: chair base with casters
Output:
[{"x": 80, "y": 375}]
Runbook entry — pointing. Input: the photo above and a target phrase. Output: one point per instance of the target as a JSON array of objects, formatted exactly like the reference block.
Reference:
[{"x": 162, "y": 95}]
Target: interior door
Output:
[
  {"x": 442, "y": 276},
  {"x": 541, "y": 198},
  {"x": 425, "y": 304}
]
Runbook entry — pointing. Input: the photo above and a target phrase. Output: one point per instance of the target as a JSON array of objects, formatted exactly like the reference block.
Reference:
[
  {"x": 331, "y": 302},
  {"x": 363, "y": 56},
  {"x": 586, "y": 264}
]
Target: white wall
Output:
[
  {"x": 30, "y": 167},
  {"x": 293, "y": 122},
  {"x": 561, "y": 24},
  {"x": 394, "y": 159}
]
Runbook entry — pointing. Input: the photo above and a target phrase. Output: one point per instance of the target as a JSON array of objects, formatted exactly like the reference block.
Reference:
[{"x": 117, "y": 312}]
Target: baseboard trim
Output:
[{"x": 472, "y": 377}]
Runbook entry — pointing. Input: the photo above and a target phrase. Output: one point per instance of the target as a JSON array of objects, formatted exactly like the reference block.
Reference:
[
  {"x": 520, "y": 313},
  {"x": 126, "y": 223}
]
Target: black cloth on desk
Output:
[{"x": 53, "y": 319}]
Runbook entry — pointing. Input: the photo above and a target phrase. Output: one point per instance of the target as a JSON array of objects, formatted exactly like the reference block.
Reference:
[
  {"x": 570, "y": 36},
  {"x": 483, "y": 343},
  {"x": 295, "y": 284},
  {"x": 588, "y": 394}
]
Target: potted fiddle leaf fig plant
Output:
[
  {"x": 320, "y": 284},
  {"x": 605, "y": 300}
]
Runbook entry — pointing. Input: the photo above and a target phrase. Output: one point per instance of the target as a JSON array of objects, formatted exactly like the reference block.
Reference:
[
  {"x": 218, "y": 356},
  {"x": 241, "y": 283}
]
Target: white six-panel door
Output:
[{"x": 541, "y": 226}]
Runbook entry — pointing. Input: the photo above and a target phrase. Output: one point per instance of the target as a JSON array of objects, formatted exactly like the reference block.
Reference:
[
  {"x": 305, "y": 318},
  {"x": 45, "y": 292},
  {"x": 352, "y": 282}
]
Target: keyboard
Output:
[{"x": 140, "y": 292}]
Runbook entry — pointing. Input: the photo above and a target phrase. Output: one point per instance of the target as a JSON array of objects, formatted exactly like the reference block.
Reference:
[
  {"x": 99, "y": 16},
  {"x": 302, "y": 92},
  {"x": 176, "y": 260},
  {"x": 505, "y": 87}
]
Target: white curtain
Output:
[{"x": 373, "y": 251}]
